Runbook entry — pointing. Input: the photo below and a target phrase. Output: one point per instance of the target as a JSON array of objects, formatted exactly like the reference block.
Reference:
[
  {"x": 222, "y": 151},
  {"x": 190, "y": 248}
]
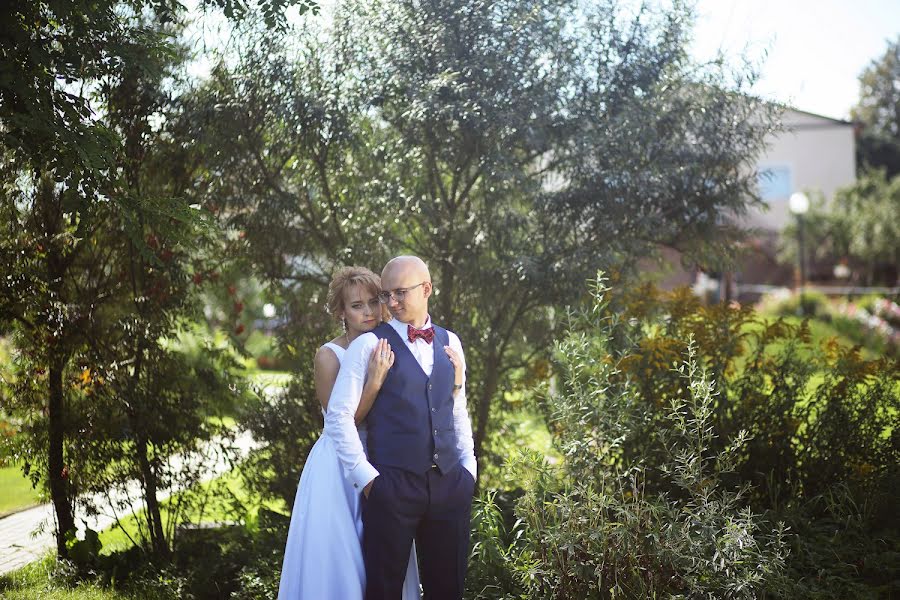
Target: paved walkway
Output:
[{"x": 28, "y": 535}]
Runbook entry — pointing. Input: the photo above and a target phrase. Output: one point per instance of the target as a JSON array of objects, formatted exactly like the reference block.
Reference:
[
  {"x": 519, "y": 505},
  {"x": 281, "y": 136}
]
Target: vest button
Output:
[
  {"x": 435, "y": 432},
  {"x": 435, "y": 456},
  {"x": 429, "y": 386},
  {"x": 433, "y": 409}
]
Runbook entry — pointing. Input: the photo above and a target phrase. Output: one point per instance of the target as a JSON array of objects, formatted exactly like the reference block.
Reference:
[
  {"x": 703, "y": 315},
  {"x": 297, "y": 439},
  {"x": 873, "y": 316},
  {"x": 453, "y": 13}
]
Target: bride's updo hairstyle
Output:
[{"x": 347, "y": 277}]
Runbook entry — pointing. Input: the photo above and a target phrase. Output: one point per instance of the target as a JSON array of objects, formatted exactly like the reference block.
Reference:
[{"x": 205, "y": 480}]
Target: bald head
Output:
[
  {"x": 407, "y": 265},
  {"x": 409, "y": 280}
]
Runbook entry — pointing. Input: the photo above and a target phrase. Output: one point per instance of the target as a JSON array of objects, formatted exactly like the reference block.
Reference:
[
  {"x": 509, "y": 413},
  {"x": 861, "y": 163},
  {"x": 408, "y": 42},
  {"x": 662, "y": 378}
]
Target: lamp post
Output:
[{"x": 799, "y": 205}]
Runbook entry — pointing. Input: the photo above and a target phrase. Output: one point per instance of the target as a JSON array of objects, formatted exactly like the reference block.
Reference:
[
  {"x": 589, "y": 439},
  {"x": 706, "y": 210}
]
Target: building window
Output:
[{"x": 775, "y": 182}]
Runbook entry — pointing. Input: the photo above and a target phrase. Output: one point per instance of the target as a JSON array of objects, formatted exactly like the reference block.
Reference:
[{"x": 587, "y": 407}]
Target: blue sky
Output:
[{"x": 812, "y": 52}]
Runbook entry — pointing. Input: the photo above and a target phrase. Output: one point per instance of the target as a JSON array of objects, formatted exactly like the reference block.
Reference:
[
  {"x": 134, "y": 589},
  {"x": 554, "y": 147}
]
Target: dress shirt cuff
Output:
[
  {"x": 471, "y": 465},
  {"x": 362, "y": 474}
]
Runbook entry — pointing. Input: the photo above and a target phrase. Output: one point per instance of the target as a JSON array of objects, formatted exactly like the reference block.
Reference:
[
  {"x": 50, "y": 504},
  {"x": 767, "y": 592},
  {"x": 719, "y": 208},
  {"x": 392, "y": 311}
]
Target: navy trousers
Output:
[{"x": 432, "y": 508}]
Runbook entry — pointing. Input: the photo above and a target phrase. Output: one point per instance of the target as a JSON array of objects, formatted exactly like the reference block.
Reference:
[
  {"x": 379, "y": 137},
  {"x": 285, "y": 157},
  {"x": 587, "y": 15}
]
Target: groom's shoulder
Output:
[
  {"x": 451, "y": 336},
  {"x": 382, "y": 330}
]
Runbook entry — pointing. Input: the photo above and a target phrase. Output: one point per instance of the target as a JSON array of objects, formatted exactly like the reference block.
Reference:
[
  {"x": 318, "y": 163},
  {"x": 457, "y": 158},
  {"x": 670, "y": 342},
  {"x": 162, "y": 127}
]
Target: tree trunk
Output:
[
  {"x": 148, "y": 475},
  {"x": 58, "y": 478},
  {"x": 488, "y": 389},
  {"x": 154, "y": 518},
  {"x": 59, "y": 485},
  {"x": 445, "y": 306}
]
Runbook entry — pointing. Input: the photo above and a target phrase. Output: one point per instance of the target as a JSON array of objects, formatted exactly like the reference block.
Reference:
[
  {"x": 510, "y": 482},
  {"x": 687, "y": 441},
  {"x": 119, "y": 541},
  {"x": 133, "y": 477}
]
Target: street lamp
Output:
[{"x": 799, "y": 205}]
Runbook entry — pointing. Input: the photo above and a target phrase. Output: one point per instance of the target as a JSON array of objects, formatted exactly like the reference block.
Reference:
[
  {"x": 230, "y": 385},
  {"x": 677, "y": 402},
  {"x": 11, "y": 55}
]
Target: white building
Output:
[{"x": 813, "y": 153}]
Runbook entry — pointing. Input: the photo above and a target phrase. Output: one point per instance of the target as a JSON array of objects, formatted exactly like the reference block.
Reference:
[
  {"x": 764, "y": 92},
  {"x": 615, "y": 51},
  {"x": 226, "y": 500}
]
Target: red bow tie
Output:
[{"x": 426, "y": 334}]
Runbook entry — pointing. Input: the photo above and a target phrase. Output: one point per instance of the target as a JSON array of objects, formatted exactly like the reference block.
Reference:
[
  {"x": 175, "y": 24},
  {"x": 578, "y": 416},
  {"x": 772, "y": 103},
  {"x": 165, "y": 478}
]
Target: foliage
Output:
[
  {"x": 868, "y": 328},
  {"x": 272, "y": 11},
  {"x": 228, "y": 548},
  {"x": 52, "y": 580},
  {"x": 84, "y": 91},
  {"x": 722, "y": 467},
  {"x": 839, "y": 549},
  {"x": 513, "y": 146},
  {"x": 98, "y": 288},
  {"x": 859, "y": 225},
  {"x": 815, "y": 414},
  {"x": 495, "y": 546},
  {"x": 613, "y": 520},
  {"x": 52, "y": 54},
  {"x": 879, "y": 144},
  {"x": 871, "y": 322},
  {"x": 289, "y": 420}
]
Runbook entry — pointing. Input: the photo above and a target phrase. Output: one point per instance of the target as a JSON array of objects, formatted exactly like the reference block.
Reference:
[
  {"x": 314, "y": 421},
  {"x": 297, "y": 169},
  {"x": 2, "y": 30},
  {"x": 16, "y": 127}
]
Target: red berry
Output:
[
  {"x": 238, "y": 307},
  {"x": 198, "y": 278},
  {"x": 239, "y": 329}
]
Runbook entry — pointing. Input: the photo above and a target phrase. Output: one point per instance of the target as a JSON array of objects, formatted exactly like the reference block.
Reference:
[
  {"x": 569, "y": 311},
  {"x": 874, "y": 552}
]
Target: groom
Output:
[{"x": 419, "y": 477}]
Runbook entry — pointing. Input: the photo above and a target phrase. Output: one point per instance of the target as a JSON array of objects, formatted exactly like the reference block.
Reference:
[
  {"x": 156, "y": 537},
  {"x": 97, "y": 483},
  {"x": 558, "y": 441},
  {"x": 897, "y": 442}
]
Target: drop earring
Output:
[{"x": 344, "y": 324}]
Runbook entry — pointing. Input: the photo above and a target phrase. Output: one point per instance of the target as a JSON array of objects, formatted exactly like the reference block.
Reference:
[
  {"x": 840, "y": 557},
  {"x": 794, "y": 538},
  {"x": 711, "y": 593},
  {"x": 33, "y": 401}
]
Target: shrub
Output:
[
  {"x": 287, "y": 423},
  {"x": 494, "y": 547},
  {"x": 620, "y": 515},
  {"x": 706, "y": 453}
]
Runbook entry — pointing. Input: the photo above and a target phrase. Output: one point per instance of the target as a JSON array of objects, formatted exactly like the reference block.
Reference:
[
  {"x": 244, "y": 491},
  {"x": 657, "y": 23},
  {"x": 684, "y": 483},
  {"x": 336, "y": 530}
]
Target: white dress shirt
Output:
[{"x": 345, "y": 396}]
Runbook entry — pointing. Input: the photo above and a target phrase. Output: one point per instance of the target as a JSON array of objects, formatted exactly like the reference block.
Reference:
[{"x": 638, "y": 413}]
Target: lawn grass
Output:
[
  {"x": 819, "y": 330},
  {"x": 222, "y": 499},
  {"x": 37, "y": 582},
  {"x": 16, "y": 492}
]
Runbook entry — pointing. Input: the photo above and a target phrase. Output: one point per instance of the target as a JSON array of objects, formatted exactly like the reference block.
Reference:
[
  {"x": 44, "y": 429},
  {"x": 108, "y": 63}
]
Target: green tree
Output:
[
  {"x": 53, "y": 203},
  {"x": 61, "y": 169},
  {"x": 879, "y": 112},
  {"x": 859, "y": 225},
  {"x": 866, "y": 219},
  {"x": 514, "y": 146}
]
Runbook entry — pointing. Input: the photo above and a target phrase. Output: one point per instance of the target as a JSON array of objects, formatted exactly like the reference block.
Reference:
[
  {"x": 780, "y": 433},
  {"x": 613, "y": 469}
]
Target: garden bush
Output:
[{"x": 706, "y": 453}]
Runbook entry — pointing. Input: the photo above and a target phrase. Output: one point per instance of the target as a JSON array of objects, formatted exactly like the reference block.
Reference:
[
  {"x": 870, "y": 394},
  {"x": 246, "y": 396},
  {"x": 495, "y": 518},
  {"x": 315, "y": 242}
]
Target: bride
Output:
[{"x": 323, "y": 556}]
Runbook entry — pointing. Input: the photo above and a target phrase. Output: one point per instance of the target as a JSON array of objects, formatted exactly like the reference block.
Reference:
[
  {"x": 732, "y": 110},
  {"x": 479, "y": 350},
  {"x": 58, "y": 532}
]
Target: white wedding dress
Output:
[{"x": 323, "y": 556}]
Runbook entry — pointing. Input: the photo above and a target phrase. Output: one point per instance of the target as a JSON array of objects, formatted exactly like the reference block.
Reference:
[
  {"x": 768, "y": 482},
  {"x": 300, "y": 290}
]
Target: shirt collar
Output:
[{"x": 400, "y": 326}]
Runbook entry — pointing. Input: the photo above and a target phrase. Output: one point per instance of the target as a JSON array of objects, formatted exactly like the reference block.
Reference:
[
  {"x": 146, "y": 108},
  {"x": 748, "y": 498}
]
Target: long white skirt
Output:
[{"x": 323, "y": 556}]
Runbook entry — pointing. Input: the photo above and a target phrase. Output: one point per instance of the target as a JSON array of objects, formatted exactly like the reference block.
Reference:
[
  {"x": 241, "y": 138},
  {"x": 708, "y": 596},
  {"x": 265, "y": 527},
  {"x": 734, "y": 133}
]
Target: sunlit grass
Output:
[
  {"x": 223, "y": 499},
  {"x": 16, "y": 492},
  {"x": 36, "y": 582},
  {"x": 820, "y": 331}
]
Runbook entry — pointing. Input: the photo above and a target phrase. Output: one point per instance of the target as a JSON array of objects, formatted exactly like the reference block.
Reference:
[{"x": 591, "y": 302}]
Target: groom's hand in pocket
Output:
[{"x": 368, "y": 488}]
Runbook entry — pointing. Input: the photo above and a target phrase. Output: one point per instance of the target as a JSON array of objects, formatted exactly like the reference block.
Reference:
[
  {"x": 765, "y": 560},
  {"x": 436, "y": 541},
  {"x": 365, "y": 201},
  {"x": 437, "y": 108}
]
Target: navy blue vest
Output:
[{"x": 410, "y": 425}]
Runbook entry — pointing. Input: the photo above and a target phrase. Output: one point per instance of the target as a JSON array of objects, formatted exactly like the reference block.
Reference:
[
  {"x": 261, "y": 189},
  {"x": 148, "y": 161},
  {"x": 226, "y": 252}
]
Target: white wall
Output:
[{"x": 815, "y": 153}]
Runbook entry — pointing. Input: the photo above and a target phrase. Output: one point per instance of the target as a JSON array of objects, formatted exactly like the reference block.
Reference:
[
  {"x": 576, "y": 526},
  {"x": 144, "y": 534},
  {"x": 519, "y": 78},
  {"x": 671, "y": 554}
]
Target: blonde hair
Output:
[{"x": 346, "y": 277}]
